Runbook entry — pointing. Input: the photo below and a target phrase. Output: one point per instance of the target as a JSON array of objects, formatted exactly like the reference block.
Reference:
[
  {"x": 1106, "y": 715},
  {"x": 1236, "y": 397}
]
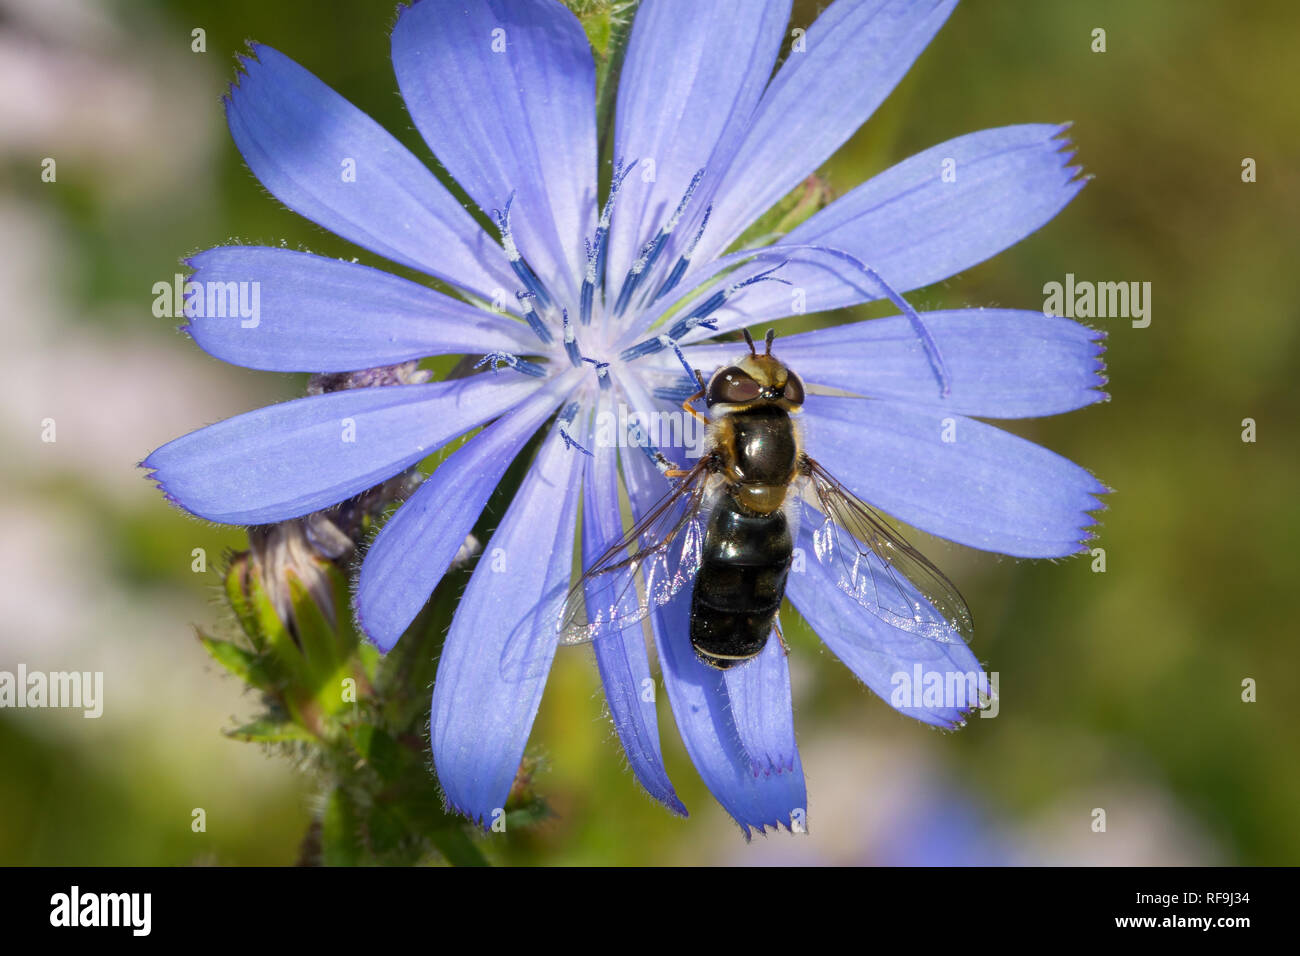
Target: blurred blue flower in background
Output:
[{"x": 582, "y": 305}]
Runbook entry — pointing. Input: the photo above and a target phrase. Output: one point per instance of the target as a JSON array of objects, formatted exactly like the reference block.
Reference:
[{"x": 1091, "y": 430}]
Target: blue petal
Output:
[
  {"x": 703, "y": 709},
  {"x": 985, "y": 487},
  {"x": 762, "y": 709},
  {"x": 324, "y": 315},
  {"x": 481, "y": 718},
  {"x": 291, "y": 459},
  {"x": 702, "y": 705},
  {"x": 911, "y": 226},
  {"x": 1004, "y": 363},
  {"x": 504, "y": 94},
  {"x": 296, "y": 134},
  {"x": 417, "y": 544},
  {"x": 856, "y": 52},
  {"x": 622, "y": 659},
  {"x": 687, "y": 90},
  {"x": 889, "y": 661}
]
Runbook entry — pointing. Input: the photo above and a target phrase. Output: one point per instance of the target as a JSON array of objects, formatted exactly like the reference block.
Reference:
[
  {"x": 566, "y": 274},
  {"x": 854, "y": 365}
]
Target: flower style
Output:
[{"x": 582, "y": 305}]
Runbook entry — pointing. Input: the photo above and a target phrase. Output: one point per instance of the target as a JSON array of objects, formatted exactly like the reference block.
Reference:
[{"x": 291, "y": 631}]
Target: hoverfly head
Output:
[{"x": 756, "y": 379}]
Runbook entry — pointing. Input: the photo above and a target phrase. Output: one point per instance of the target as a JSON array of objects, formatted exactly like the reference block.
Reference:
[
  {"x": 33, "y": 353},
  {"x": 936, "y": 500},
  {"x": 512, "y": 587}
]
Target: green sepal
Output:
[
  {"x": 278, "y": 641},
  {"x": 531, "y": 812},
  {"x": 240, "y": 603},
  {"x": 602, "y": 20},
  {"x": 249, "y": 667},
  {"x": 318, "y": 652}
]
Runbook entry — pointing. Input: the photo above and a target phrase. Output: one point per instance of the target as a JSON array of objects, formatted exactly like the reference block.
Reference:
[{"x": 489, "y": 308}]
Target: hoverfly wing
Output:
[
  {"x": 879, "y": 569},
  {"x": 644, "y": 569}
]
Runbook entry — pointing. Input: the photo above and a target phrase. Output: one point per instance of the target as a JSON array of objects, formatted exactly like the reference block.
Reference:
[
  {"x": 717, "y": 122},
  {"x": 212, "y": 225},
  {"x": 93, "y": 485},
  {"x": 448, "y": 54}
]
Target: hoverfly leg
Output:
[
  {"x": 667, "y": 468},
  {"x": 780, "y": 636},
  {"x": 686, "y": 406}
]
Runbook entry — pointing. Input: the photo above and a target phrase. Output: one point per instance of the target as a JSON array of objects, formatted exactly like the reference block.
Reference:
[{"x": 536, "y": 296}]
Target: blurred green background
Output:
[{"x": 1120, "y": 690}]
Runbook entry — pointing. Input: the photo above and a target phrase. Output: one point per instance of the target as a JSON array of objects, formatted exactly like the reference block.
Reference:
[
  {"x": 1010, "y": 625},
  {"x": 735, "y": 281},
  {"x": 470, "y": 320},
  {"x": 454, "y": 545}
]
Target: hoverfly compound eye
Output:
[
  {"x": 794, "y": 390},
  {"x": 731, "y": 386}
]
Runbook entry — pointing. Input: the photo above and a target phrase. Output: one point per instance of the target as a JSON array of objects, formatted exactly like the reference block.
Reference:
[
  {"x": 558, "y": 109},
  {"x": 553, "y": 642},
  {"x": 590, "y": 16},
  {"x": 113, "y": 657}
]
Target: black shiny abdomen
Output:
[{"x": 740, "y": 584}]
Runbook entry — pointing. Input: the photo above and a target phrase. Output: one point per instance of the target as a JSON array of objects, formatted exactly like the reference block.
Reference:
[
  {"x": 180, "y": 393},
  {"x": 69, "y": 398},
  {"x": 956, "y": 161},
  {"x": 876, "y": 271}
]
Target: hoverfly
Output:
[{"x": 728, "y": 527}]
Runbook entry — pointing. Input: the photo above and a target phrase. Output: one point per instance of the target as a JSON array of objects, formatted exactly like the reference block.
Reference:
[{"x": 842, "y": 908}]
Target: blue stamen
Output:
[
  {"x": 699, "y": 316},
  {"x": 641, "y": 350},
  {"x": 571, "y": 341},
  {"x": 637, "y": 435},
  {"x": 690, "y": 372},
  {"x": 534, "y": 320},
  {"x": 566, "y": 420},
  {"x": 494, "y": 360},
  {"x": 517, "y": 262},
  {"x": 588, "y": 284},
  {"x": 634, "y": 277},
  {"x": 602, "y": 371},
  {"x": 677, "y": 393},
  {"x": 684, "y": 262},
  {"x": 718, "y": 299},
  {"x": 621, "y": 172},
  {"x": 651, "y": 251},
  {"x": 692, "y": 319}
]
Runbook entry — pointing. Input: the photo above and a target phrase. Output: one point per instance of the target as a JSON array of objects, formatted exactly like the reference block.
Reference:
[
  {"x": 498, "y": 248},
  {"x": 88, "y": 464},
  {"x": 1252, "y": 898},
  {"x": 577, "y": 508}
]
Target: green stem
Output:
[{"x": 608, "y": 70}]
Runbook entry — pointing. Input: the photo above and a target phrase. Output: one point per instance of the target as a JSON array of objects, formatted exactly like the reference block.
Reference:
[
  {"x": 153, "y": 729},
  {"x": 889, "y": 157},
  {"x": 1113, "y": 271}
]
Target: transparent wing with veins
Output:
[
  {"x": 878, "y": 568},
  {"x": 644, "y": 569}
]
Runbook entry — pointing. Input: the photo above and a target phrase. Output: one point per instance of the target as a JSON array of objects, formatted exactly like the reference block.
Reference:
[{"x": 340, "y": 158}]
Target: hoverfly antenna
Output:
[
  {"x": 771, "y": 334},
  {"x": 749, "y": 340}
]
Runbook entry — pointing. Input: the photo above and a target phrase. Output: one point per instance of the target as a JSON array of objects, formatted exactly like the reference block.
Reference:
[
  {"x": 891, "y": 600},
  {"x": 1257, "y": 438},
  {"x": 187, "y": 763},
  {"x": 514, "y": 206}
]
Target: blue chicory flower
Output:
[{"x": 503, "y": 92}]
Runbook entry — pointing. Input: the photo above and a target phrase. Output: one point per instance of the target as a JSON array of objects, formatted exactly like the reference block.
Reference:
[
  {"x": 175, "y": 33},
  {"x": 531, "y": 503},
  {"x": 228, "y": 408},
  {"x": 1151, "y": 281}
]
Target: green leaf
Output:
[{"x": 266, "y": 730}]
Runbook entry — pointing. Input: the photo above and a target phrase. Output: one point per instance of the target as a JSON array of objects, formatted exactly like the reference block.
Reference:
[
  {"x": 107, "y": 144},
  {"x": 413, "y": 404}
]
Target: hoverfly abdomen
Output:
[{"x": 740, "y": 583}]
